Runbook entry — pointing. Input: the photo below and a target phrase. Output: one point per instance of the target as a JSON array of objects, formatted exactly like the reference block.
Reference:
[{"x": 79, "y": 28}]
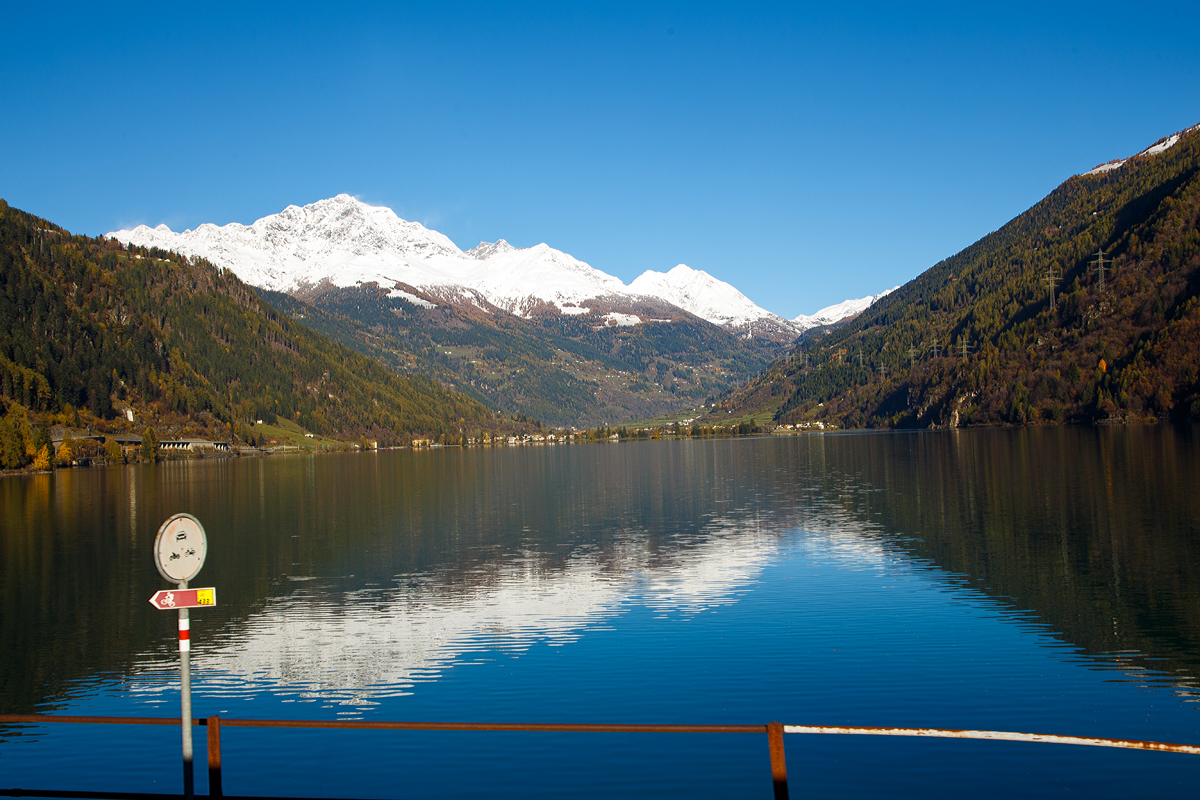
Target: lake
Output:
[{"x": 1043, "y": 580}]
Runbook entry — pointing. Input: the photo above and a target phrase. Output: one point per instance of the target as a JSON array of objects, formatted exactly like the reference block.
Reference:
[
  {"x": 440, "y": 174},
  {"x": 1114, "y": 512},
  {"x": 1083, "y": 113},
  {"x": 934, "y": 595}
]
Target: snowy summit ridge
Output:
[
  {"x": 839, "y": 311},
  {"x": 345, "y": 242},
  {"x": 698, "y": 292},
  {"x": 342, "y": 241},
  {"x": 1162, "y": 145}
]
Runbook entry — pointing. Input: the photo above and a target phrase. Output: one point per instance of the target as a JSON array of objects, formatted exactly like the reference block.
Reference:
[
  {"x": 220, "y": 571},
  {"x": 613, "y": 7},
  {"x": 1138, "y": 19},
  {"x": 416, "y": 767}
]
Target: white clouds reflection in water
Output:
[{"x": 356, "y": 647}]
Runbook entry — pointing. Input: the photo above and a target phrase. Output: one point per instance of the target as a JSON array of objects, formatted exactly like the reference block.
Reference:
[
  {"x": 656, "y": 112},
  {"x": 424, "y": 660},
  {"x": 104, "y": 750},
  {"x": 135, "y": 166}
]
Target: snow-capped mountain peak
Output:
[
  {"x": 696, "y": 291},
  {"x": 342, "y": 241},
  {"x": 839, "y": 311},
  {"x": 485, "y": 250},
  {"x": 517, "y": 278}
]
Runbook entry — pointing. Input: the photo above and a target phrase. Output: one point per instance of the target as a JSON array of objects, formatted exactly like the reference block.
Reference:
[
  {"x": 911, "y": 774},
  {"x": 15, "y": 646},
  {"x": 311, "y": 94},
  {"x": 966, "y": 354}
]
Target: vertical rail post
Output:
[
  {"x": 214, "y": 756},
  {"x": 778, "y": 760}
]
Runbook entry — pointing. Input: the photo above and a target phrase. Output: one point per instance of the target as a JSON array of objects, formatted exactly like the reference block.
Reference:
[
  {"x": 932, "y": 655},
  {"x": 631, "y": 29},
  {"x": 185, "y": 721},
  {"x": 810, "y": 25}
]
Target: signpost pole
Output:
[
  {"x": 185, "y": 697},
  {"x": 179, "y": 551}
]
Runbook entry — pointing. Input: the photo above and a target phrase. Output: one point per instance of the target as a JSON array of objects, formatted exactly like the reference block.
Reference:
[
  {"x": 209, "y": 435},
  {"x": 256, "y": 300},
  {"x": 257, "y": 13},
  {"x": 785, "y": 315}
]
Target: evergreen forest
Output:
[{"x": 563, "y": 370}]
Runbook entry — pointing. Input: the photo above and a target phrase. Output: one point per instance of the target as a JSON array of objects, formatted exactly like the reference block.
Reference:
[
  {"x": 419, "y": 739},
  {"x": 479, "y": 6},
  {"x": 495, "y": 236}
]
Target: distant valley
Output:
[{"x": 525, "y": 330}]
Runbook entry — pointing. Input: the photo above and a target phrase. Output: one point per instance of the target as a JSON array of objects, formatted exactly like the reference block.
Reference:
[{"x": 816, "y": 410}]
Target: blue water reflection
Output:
[{"x": 757, "y": 580}]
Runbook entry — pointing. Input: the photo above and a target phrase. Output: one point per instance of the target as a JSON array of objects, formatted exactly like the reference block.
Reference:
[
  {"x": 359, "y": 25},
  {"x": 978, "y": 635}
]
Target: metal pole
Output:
[
  {"x": 214, "y": 756},
  {"x": 185, "y": 697},
  {"x": 778, "y": 760}
]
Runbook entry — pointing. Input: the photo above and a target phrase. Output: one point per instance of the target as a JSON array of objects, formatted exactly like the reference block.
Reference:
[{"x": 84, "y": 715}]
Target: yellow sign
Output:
[{"x": 206, "y": 597}]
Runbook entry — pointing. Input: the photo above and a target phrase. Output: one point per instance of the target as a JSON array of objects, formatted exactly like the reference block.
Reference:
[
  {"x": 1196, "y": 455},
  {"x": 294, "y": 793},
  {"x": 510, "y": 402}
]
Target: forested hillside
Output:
[
  {"x": 560, "y": 369},
  {"x": 1083, "y": 309},
  {"x": 89, "y": 328}
]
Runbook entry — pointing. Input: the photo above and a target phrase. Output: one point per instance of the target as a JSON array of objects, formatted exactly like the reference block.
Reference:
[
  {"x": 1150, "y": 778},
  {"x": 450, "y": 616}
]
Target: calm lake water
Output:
[{"x": 1042, "y": 580}]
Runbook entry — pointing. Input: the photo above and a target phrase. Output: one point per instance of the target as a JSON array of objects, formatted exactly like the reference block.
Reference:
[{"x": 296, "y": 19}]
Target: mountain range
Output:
[
  {"x": 342, "y": 242},
  {"x": 531, "y": 330},
  {"x": 1084, "y": 308}
]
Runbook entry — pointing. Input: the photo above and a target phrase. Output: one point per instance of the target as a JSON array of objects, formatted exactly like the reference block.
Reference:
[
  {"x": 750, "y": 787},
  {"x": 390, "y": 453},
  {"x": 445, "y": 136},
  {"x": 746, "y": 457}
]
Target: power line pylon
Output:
[
  {"x": 1051, "y": 279},
  {"x": 1099, "y": 268}
]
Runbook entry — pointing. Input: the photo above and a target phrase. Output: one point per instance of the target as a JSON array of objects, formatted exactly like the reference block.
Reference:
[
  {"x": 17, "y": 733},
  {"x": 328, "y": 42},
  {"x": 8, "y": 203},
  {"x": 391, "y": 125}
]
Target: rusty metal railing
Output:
[
  {"x": 774, "y": 731},
  {"x": 1004, "y": 736}
]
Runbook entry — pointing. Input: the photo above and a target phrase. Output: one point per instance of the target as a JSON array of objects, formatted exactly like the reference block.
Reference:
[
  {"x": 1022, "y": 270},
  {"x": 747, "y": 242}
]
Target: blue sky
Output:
[{"x": 806, "y": 153}]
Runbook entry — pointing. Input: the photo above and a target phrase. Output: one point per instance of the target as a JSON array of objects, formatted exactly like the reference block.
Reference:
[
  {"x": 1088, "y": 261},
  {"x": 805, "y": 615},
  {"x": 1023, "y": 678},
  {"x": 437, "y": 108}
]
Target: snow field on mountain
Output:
[
  {"x": 839, "y": 311},
  {"x": 345, "y": 242},
  {"x": 701, "y": 294}
]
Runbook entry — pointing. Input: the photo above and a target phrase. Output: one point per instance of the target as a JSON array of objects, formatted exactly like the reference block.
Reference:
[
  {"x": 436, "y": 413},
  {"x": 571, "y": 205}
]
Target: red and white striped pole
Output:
[{"x": 185, "y": 697}]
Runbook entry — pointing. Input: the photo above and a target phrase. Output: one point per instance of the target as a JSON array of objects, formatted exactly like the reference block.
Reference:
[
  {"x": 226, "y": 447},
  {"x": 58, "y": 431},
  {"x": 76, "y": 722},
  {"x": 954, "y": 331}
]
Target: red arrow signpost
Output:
[{"x": 184, "y": 598}]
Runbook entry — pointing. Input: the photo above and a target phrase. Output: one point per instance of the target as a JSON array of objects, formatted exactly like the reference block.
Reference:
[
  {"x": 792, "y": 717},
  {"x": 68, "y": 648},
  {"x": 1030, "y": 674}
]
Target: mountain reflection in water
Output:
[
  {"x": 356, "y": 646},
  {"x": 935, "y": 578},
  {"x": 330, "y": 567}
]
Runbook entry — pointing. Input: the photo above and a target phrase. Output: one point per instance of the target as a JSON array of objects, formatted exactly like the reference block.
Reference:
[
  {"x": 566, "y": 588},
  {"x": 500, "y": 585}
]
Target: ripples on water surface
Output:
[{"x": 1038, "y": 580}]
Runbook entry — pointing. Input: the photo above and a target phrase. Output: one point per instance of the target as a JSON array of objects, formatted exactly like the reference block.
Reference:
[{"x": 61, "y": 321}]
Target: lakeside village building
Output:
[{"x": 130, "y": 442}]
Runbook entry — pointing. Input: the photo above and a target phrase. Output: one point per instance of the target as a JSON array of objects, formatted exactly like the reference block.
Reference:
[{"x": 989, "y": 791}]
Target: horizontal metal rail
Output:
[
  {"x": 774, "y": 731},
  {"x": 1004, "y": 736},
  {"x": 397, "y": 726},
  {"x": 560, "y": 727},
  {"x": 566, "y": 727},
  {"x": 79, "y": 795}
]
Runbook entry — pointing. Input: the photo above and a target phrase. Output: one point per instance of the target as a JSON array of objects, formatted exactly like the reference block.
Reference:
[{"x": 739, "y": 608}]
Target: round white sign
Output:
[{"x": 180, "y": 548}]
